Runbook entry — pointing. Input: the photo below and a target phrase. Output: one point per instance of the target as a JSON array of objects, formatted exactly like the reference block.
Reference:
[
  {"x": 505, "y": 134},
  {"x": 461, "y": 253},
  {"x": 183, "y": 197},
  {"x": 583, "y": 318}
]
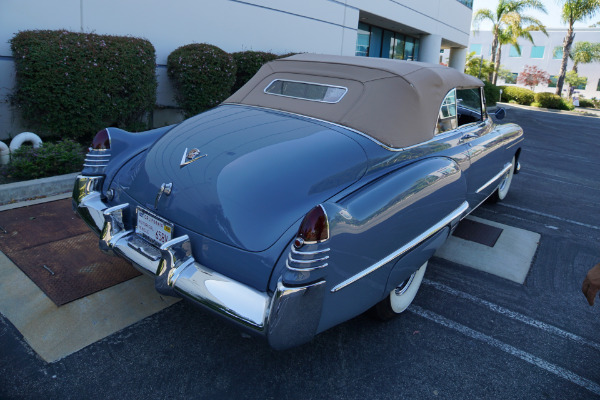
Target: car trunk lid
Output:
[{"x": 256, "y": 173}]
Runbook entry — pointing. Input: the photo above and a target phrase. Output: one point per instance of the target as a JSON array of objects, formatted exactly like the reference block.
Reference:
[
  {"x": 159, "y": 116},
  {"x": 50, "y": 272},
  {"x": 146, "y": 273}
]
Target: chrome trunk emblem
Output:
[{"x": 190, "y": 156}]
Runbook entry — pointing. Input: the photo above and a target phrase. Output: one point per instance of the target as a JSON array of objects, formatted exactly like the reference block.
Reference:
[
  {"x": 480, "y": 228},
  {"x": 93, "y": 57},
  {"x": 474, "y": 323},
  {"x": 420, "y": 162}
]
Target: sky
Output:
[{"x": 551, "y": 20}]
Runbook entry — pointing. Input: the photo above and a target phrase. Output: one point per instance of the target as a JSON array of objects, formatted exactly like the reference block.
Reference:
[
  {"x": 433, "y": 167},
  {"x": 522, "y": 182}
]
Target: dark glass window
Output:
[
  {"x": 512, "y": 79},
  {"x": 409, "y": 47},
  {"x": 375, "y": 42},
  {"x": 372, "y": 41},
  {"x": 362, "y": 41},
  {"x": 553, "y": 81},
  {"x": 306, "y": 91},
  {"x": 447, "y": 114},
  {"x": 469, "y": 106}
]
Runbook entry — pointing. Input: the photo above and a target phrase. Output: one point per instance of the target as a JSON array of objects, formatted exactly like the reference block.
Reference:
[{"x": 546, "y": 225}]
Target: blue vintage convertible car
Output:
[{"x": 317, "y": 191}]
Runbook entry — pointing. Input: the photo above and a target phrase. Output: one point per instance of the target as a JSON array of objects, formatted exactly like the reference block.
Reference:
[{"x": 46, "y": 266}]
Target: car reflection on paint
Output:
[{"x": 317, "y": 191}]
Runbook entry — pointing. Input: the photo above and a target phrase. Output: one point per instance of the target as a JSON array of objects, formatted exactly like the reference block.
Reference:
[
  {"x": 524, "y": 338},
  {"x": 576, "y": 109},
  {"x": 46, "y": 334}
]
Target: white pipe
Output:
[
  {"x": 4, "y": 154},
  {"x": 23, "y": 138}
]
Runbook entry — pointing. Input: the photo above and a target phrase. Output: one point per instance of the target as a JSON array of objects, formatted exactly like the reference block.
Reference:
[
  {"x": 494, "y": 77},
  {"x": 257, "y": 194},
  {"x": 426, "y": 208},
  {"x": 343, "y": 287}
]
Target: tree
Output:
[
  {"x": 505, "y": 15},
  {"x": 573, "y": 11},
  {"x": 533, "y": 76},
  {"x": 574, "y": 81},
  {"x": 584, "y": 53},
  {"x": 477, "y": 66}
]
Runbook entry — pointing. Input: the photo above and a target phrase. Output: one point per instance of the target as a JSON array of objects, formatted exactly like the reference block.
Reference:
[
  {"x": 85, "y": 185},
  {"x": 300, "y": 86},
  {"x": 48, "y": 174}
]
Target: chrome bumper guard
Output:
[{"x": 287, "y": 318}]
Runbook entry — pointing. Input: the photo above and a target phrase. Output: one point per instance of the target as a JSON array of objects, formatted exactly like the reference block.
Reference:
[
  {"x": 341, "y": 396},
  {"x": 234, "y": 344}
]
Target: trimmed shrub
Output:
[
  {"x": 586, "y": 103},
  {"x": 517, "y": 94},
  {"x": 551, "y": 100},
  {"x": 248, "y": 63},
  {"x": 203, "y": 76},
  {"x": 492, "y": 93},
  {"x": 535, "y": 104},
  {"x": 74, "y": 84},
  {"x": 49, "y": 159}
]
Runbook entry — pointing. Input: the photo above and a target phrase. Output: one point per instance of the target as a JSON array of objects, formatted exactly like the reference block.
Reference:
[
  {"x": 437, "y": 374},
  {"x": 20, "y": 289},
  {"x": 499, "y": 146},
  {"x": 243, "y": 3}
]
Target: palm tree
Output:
[
  {"x": 584, "y": 53},
  {"x": 512, "y": 33},
  {"x": 504, "y": 16},
  {"x": 573, "y": 11}
]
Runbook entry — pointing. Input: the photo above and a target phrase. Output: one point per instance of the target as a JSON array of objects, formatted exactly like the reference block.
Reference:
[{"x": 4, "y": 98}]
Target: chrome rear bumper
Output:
[{"x": 286, "y": 318}]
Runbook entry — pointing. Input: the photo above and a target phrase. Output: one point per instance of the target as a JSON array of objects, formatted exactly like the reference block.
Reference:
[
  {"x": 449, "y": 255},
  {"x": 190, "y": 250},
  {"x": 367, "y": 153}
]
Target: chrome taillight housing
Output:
[
  {"x": 314, "y": 228},
  {"x": 101, "y": 140},
  {"x": 98, "y": 154}
]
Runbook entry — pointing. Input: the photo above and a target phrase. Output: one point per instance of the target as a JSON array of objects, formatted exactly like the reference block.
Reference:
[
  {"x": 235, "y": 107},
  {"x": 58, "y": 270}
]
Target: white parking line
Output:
[
  {"x": 549, "y": 216},
  {"x": 514, "y": 315},
  {"x": 527, "y": 357}
]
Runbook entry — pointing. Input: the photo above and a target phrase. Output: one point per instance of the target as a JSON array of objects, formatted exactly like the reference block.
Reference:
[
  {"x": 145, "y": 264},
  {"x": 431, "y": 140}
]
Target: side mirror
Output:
[{"x": 500, "y": 113}]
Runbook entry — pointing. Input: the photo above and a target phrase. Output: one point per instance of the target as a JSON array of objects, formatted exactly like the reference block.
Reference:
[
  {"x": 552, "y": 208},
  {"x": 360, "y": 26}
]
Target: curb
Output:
[{"x": 19, "y": 191}]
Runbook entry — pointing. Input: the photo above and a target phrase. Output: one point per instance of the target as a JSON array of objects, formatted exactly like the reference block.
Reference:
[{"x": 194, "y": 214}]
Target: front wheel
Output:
[
  {"x": 401, "y": 297},
  {"x": 502, "y": 190}
]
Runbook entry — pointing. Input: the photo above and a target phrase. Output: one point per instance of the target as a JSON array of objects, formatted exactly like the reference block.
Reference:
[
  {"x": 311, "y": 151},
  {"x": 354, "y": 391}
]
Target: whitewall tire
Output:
[{"x": 401, "y": 297}]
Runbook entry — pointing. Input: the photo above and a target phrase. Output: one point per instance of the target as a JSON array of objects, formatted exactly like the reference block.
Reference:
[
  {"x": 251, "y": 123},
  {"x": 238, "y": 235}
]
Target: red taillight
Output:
[
  {"x": 314, "y": 227},
  {"x": 101, "y": 140}
]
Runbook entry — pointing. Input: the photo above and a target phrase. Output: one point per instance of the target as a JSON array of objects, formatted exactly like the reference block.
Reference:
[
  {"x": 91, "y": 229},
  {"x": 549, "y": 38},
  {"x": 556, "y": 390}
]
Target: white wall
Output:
[
  {"x": 278, "y": 26},
  {"x": 547, "y": 63}
]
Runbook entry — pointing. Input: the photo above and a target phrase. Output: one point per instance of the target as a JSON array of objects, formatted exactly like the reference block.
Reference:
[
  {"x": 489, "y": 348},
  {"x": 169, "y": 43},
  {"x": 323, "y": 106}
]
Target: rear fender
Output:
[{"x": 372, "y": 229}]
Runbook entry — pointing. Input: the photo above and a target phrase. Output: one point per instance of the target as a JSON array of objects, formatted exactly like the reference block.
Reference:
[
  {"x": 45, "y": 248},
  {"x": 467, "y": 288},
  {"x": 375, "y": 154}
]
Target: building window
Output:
[
  {"x": 537, "y": 52},
  {"x": 557, "y": 53},
  {"x": 513, "y": 51},
  {"x": 362, "y": 41},
  {"x": 475, "y": 48},
  {"x": 377, "y": 42},
  {"x": 553, "y": 81},
  {"x": 468, "y": 3},
  {"x": 598, "y": 87}
]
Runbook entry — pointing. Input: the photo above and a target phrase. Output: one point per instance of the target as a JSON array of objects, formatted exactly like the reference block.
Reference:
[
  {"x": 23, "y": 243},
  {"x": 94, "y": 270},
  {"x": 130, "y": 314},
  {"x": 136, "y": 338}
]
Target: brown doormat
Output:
[
  {"x": 57, "y": 251},
  {"x": 477, "y": 232}
]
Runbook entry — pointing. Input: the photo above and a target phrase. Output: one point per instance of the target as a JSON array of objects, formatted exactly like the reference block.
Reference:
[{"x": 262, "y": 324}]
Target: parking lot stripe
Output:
[
  {"x": 514, "y": 315},
  {"x": 527, "y": 210},
  {"x": 527, "y": 357}
]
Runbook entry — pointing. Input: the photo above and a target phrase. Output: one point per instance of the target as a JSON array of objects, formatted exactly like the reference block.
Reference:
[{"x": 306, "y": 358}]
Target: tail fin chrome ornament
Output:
[{"x": 190, "y": 156}]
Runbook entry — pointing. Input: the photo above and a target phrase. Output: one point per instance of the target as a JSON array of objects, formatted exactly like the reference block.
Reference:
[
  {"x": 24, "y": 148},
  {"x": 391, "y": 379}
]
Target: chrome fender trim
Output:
[
  {"x": 451, "y": 218},
  {"x": 507, "y": 166}
]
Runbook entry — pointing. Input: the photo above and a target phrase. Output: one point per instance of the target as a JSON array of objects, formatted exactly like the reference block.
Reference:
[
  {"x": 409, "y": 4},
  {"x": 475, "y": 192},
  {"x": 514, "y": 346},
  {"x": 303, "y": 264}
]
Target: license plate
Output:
[{"x": 153, "y": 228}]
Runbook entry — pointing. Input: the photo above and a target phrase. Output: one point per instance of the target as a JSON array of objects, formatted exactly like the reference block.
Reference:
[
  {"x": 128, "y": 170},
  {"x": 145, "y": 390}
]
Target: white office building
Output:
[
  {"x": 546, "y": 54},
  {"x": 402, "y": 29}
]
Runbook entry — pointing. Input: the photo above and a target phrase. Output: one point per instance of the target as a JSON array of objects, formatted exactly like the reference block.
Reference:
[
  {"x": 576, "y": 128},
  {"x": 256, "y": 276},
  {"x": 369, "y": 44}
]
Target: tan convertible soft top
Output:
[{"x": 395, "y": 102}]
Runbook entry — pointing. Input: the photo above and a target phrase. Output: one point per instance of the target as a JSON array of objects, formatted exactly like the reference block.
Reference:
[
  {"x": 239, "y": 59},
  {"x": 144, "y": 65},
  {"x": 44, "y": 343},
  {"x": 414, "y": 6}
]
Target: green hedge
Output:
[
  {"x": 551, "y": 100},
  {"x": 248, "y": 63},
  {"x": 492, "y": 93},
  {"x": 203, "y": 76},
  {"x": 74, "y": 84},
  {"x": 517, "y": 94},
  {"x": 586, "y": 103},
  {"x": 49, "y": 159}
]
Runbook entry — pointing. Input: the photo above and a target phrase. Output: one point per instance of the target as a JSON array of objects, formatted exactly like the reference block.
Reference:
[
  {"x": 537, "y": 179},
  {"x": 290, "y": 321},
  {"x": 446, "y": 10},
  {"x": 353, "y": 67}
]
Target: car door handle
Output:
[{"x": 467, "y": 136}]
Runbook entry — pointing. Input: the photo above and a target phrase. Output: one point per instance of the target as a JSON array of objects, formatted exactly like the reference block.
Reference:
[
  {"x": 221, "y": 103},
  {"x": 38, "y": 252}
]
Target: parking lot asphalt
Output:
[{"x": 469, "y": 334}]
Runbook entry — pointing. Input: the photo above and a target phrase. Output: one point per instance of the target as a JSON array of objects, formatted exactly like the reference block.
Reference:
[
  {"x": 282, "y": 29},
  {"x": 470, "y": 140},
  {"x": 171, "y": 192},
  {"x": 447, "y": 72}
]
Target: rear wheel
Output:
[
  {"x": 504, "y": 186},
  {"x": 401, "y": 297}
]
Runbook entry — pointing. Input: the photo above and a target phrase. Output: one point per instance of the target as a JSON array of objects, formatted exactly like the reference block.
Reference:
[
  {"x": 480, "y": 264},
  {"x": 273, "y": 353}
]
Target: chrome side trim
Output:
[
  {"x": 454, "y": 215},
  {"x": 304, "y": 269},
  {"x": 308, "y": 253},
  {"x": 496, "y": 177},
  {"x": 307, "y": 261}
]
